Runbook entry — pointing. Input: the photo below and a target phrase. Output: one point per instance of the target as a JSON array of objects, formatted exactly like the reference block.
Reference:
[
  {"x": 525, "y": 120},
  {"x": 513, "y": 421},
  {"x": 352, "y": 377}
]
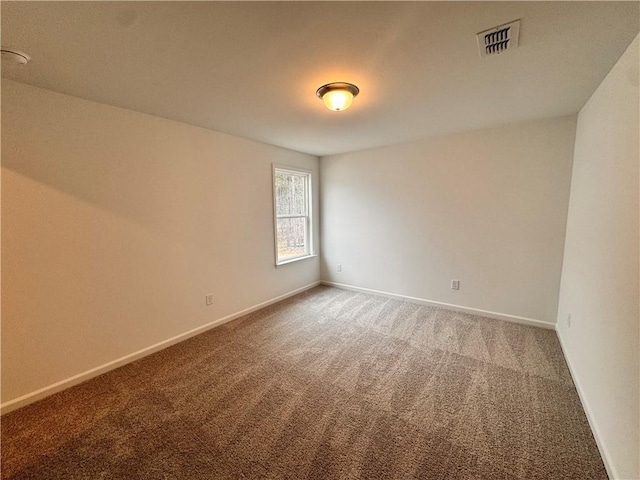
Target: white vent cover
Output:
[{"x": 498, "y": 39}]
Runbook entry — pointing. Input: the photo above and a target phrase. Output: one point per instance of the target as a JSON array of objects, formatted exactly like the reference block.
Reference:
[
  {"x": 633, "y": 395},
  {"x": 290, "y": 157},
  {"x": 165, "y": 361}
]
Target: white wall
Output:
[
  {"x": 600, "y": 272},
  {"x": 487, "y": 207},
  {"x": 116, "y": 224}
]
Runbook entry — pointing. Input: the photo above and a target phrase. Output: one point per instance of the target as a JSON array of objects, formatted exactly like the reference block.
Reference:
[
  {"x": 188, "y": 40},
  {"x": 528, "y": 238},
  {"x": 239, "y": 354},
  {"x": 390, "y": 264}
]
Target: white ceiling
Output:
[{"x": 252, "y": 69}]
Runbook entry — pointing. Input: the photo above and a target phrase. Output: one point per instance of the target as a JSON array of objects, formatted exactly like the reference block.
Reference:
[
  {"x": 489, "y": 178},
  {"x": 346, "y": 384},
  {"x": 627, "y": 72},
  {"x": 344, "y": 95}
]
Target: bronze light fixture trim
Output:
[{"x": 15, "y": 55}]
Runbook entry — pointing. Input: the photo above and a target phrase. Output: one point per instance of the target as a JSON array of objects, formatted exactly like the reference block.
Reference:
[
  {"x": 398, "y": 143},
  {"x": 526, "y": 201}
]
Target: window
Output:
[{"x": 292, "y": 212}]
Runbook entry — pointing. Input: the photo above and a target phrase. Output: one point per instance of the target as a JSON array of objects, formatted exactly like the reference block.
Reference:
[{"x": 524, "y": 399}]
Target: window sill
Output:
[{"x": 293, "y": 260}]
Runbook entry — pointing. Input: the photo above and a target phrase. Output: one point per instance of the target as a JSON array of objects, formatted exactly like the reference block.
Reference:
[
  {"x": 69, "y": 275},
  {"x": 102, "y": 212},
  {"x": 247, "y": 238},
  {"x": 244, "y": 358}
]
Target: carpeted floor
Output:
[{"x": 328, "y": 384}]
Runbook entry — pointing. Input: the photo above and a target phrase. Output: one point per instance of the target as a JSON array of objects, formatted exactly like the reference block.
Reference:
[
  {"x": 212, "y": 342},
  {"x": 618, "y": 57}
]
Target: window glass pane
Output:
[
  {"x": 292, "y": 213},
  {"x": 291, "y": 194},
  {"x": 291, "y": 237}
]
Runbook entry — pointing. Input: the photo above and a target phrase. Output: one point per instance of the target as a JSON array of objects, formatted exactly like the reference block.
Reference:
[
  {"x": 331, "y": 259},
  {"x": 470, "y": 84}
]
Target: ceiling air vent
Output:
[{"x": 498, "y": 39}]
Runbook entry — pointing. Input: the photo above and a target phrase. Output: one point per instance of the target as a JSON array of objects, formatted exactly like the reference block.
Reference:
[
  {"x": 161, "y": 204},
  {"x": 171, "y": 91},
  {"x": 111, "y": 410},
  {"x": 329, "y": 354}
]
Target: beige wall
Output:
[
  {"x": 116, "y": 224},
  {"x": 486, "y": 207},
  {"x": 600, "y": 273}
]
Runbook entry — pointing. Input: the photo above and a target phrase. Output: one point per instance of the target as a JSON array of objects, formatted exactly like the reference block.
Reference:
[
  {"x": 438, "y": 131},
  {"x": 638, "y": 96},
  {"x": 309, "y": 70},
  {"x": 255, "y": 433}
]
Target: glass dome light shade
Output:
[
  {"x": 337, "y": 100},
  {"x": 337, "y": 96}
]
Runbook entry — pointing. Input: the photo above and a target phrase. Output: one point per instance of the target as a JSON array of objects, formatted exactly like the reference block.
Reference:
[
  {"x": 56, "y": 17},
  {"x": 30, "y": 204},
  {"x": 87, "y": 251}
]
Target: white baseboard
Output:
[
  {"x": 448, "y": 306},
  {"x": 604, "y": 452},
  {"x": 94, "y": 372}
]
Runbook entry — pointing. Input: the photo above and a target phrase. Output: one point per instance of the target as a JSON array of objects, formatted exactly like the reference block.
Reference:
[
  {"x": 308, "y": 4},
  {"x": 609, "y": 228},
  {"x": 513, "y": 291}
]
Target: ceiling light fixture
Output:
[
  {"x": 337, "y": 96},
  {"x": 15, "y": 55}
]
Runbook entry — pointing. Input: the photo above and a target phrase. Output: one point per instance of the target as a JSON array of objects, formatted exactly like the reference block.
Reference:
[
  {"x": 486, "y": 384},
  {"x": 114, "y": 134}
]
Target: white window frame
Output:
[{"x": 309, "y": 216}]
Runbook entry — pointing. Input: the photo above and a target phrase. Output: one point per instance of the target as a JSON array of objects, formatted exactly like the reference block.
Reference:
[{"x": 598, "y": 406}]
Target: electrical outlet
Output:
[
  {"x": 339, "y": 267},
  {"x": 569, "y": 321},
  {"x": 455, "y": 284},
  {"x": 208, "y": 299}
]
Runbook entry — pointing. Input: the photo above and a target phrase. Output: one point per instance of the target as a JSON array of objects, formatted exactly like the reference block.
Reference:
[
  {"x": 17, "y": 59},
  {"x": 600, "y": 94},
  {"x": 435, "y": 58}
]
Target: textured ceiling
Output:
[{"x": 251, "y": 69}]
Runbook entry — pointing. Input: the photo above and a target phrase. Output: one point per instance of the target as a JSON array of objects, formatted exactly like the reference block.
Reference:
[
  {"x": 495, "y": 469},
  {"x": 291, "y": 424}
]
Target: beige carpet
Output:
[{"x": 325, "y": 385}]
